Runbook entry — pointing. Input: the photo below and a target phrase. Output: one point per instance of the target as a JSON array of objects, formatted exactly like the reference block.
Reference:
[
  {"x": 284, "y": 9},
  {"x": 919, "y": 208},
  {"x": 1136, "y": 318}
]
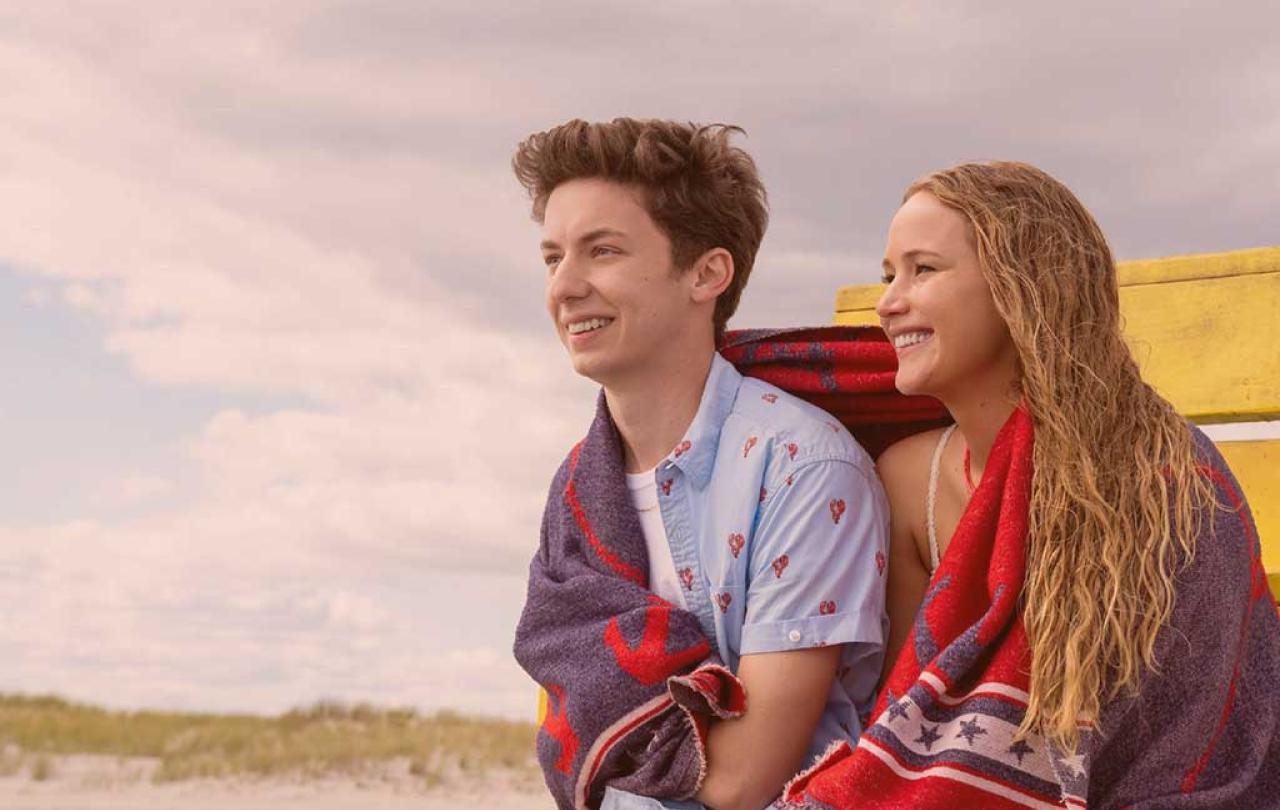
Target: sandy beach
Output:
[{"x": 110, "y": 783}]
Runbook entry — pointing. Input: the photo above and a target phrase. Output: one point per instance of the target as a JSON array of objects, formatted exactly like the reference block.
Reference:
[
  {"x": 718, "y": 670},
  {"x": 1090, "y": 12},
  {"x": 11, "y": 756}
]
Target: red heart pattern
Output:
[
  {"x": 666, "y": 486},
  {"x": 837, "y": 509},
  {"x": 827, "y": 607},
  {"x": 880, "y": 562},
  {"x": 686, "y": 576},
  {"x": 789, "y": 479},
  {"x": 769, "y": 398},
  {"x": 791, "y": 450},
  {"x": 764, "y": 493},
  {"x": 682, "y": 448},
  {"x": 724, "y": 600},
  {"x": 736, "y": 542},
  {"x": 751, "y": 442},
  {"x": 780, "y": 565}
]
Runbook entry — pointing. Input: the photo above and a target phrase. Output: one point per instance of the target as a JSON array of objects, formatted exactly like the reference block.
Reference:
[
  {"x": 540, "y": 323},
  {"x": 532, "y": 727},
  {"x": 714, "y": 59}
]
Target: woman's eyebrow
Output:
[
  {"x": 910, "y": 255},
  {"x": 918, "y": 252}
]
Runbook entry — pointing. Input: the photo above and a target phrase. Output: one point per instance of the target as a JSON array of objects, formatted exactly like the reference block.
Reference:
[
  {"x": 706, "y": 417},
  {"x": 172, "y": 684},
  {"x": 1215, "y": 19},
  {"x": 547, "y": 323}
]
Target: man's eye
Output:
[
  {"x": 551, "y": 260},
  {"x": 602, "y": 250}
]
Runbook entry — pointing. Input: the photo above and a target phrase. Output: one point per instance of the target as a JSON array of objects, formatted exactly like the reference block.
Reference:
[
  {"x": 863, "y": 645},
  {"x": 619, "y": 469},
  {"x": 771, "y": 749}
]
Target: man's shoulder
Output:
[{"x": 795, "y": 429}]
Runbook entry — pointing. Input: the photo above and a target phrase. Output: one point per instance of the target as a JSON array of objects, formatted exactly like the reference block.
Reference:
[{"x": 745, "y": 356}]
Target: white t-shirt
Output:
[{"x": 643, "y": 488}]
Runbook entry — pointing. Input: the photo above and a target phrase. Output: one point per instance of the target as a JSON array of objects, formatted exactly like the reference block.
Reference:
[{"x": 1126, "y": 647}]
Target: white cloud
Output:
[
  {"x": 145, "y": 185},
  {"x": 133, "y": 489}
]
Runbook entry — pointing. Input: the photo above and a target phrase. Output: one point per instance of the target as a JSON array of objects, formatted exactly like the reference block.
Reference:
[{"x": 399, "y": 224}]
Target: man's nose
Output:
[{"x": 568, "y": 281}]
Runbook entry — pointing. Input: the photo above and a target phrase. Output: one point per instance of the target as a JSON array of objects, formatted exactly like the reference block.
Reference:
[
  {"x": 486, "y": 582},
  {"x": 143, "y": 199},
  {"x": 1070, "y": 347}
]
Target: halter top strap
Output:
[{"x": 934, "y": 467}]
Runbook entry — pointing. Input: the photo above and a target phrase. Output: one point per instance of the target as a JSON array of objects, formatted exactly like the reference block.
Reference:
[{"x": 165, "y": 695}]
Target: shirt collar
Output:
[{"x": 695, "y": 455}]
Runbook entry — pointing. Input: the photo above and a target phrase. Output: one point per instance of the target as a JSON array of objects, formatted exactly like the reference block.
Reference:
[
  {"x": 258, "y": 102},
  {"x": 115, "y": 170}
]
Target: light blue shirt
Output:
[{"x": 778, "y": 528}]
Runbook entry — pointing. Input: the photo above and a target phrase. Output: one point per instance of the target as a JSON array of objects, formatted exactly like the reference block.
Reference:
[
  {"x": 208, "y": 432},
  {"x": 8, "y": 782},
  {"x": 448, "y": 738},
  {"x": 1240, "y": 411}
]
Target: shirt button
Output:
[{"x": 794, "y": 635}]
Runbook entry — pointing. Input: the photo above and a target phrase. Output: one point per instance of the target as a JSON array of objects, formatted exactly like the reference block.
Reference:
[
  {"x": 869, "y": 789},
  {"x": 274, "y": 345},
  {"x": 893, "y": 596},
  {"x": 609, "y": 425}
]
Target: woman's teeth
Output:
[{"x": 910, "y": 339}]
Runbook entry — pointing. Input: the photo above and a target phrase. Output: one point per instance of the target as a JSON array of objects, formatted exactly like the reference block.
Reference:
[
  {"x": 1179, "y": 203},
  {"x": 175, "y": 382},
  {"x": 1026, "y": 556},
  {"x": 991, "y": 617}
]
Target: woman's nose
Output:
[{"x": 891, "y": 301}]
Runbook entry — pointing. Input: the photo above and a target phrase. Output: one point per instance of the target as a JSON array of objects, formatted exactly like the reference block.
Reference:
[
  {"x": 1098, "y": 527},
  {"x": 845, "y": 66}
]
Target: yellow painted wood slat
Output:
[
  {"x": 1205, "y": 329},
  {"x": 1199, "y": 265},
  {"x": 1211, "y": 346},
  {"x": 857, "y": 317},
  {"x": 1256, "y": 465}
]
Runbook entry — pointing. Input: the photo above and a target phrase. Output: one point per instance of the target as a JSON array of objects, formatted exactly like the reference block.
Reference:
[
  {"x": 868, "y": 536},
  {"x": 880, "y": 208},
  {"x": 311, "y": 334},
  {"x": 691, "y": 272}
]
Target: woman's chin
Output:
[{"x": 909, "y": 385}]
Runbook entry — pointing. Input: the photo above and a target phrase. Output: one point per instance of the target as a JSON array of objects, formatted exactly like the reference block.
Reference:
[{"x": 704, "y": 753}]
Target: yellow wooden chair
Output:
[{"x": 1206, "y": 332}]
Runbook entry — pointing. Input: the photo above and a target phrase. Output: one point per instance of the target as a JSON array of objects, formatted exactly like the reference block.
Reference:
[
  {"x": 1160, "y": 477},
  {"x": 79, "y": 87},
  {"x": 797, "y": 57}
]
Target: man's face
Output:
[{"x": 616, "y": 301}]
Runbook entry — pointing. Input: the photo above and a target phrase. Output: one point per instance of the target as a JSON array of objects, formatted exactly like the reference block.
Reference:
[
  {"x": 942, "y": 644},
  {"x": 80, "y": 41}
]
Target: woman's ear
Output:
[{"x": 711, "y": 275}]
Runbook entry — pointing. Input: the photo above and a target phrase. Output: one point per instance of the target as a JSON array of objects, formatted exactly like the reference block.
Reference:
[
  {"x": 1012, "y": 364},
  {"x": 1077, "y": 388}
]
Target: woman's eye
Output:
[
  {"x": 886, "y": 279},
  {"x": 924, "y": 268}
]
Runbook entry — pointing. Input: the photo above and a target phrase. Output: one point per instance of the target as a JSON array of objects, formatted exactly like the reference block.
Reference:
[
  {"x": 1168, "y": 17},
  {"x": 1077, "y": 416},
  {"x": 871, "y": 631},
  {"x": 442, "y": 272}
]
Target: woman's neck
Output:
[{"x": 979, "y": 415}]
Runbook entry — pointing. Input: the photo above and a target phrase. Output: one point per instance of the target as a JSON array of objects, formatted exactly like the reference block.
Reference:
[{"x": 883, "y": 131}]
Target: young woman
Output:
[{"x": 1139, "y": 664}]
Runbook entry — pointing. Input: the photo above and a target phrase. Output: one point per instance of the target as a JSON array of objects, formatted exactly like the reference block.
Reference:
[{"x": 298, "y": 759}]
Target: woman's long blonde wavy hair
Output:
[{"x": 1115, "y": 490}]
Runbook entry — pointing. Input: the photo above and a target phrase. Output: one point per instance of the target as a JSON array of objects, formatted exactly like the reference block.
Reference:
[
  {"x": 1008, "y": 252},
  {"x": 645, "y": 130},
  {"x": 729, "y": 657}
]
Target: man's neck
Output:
[{"x": 653, "y": 414}]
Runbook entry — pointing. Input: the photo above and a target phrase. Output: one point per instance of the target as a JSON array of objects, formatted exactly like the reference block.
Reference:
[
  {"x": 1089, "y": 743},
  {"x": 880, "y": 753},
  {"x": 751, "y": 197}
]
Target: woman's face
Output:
[{"x": 937, "y": 308}]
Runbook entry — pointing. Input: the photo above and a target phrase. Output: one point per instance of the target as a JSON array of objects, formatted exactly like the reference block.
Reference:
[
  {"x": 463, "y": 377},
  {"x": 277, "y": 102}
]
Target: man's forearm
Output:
[{"x": 750, "y": 759}]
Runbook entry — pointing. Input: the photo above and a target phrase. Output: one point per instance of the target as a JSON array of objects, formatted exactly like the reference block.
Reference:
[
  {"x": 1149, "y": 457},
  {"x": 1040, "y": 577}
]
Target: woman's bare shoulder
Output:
[{"x": 907, "y": 461}]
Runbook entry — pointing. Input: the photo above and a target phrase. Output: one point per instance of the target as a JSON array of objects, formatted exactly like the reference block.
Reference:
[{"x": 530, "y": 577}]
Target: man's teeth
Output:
[
  {"x": 910, "y": 339},
  {"x": 586, "y": 326}
]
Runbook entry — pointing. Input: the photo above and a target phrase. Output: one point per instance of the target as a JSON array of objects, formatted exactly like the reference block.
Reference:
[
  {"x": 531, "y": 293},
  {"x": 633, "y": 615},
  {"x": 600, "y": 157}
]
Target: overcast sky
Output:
[{"x": 280, "y": 402}]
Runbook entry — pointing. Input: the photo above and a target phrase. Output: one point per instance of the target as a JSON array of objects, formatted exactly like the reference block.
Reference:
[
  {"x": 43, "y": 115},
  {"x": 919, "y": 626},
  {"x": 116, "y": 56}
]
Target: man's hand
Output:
[{"x": 750, "y": 759}]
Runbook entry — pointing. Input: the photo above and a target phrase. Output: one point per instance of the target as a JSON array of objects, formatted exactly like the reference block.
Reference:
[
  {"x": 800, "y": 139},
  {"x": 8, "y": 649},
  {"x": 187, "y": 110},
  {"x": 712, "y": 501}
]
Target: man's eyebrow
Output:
[
  {"x": 599, "y": 233},
  {"x": 586, "y": 238}
]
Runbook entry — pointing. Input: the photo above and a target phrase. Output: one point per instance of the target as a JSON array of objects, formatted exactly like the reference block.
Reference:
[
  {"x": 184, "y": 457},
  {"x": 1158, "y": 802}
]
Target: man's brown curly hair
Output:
[{"x": 700, "y": 190}]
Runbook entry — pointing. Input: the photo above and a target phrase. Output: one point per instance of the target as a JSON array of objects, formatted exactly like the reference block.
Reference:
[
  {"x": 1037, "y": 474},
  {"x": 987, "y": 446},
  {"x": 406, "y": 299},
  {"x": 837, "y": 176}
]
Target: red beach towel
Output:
[
  {"x": 1202, "y": 731},
  {"x": 944, "y": 729}
]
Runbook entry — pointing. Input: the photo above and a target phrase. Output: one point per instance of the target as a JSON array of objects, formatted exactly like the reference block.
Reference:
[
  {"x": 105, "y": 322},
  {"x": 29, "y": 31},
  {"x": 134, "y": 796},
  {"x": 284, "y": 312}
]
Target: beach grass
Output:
[{"x": 325, "y": 739}]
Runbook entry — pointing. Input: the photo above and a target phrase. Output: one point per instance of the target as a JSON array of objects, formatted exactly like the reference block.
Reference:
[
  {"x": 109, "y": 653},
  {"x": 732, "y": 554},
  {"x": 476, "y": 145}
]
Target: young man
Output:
[{"x": 760, "y": 515}]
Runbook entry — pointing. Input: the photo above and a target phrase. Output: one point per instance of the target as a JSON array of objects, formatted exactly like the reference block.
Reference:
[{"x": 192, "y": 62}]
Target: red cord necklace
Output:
[{"x": 968, "y": 477}]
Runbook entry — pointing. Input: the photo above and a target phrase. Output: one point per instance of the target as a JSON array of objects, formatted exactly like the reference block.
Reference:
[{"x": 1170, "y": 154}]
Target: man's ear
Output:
[{"x": 712, "y": 273}]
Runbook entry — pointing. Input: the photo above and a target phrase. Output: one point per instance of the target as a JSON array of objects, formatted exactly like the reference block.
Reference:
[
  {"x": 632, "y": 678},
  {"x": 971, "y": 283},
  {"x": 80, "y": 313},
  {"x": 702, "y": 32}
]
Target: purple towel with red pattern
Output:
[{"x": 631, "y": 680}]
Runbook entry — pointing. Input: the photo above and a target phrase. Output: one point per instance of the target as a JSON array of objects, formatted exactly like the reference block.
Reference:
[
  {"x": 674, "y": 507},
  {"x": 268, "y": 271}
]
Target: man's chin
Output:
[{"x": 593, "y": 368}]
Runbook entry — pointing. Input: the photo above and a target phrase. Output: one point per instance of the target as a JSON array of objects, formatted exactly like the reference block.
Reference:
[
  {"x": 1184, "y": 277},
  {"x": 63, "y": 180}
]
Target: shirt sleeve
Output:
[
  {"x": 615, "y": 799},
  {"x": 817, "y": 571}
]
